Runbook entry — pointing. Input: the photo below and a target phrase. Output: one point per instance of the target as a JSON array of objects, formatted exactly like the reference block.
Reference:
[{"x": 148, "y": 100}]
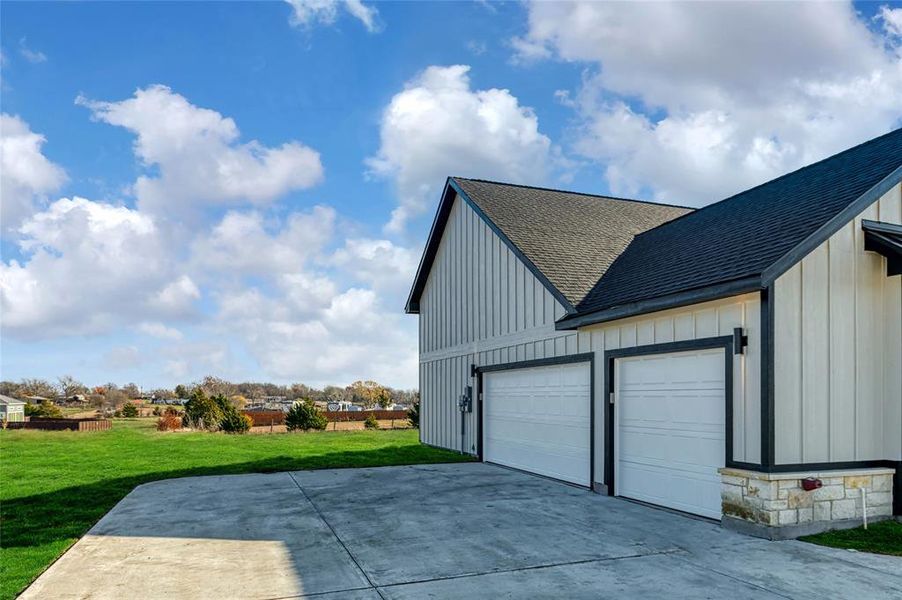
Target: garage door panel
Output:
[
  {"x": 538, "y": 420},
  {"x": 671, "y": 448},
  {"x": 685, "y": 490},
  {"x": 671, "y": 372},
  {"x": 670, "y": 429}
]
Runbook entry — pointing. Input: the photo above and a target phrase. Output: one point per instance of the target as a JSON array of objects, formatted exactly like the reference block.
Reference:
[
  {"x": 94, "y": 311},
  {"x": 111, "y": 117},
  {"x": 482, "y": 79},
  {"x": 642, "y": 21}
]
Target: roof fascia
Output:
[
  {"x": 568, "y": 306},
  {"x": 801, "y": 250},
  {"x": 881, "y": 227},
  {"x": 885, "y": 239},
  {"x": 677, "y": 300},
  {"x": 431, "y": 249}
]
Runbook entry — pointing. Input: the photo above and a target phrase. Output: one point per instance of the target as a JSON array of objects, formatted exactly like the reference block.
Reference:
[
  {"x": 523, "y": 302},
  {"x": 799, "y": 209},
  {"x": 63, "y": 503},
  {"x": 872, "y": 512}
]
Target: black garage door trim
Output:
[
  {"x": 588, "y": 357},
  {"x": 725, "y": 342}
]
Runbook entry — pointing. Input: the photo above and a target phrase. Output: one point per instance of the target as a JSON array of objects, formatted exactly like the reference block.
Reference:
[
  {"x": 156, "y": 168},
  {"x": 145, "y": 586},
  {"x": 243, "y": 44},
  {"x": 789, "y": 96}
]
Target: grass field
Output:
[
  {"x": 56, "y": 485},
  {"x": 881, "y": 538}
]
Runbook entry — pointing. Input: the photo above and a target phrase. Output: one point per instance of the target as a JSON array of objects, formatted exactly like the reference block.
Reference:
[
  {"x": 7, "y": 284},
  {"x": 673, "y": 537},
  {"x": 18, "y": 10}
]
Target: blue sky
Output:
[{"x": 243, "y": 189}]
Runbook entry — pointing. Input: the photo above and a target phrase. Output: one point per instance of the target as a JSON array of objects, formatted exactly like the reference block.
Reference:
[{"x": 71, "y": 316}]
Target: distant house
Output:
[
  {"x": 342, "y": 406},
  {"x": 11, "y": 409},
  {"x": 73, "y": 399}
]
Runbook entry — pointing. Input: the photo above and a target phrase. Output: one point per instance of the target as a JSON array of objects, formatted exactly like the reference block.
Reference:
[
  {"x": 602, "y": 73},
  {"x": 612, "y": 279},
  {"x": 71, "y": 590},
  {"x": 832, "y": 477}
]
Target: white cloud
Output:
[
  {"x": 192, "y": 360},
  {"x": 378, "y": 263},
  {"x": 438, "y": 126},
  {"x": 337, "y": 339},
  {"x": 241, "y": 244},
  {"x": 476, "y": 47},
  {"x": 32, "y": 56},
  {"x": 892, "y": 20},
  {"x": 198, "y": 155},
  {"x": 304, "y": 312},
  {"x": 289, "y": 291},
  {"x": 691, "y": 101},
  {"x": 90, "y": 267},
  {"x": 159, "y": 330},
  {"x": 175, "y": 296},
  {"x": 121, "y": 358},
  {"x": 305, "y": 13},
  {"x": 27, "y": 175}
]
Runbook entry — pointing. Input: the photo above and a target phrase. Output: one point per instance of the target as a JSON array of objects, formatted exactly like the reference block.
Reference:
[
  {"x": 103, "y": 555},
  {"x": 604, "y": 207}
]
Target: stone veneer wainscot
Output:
[{"x": 774, "y": 505}]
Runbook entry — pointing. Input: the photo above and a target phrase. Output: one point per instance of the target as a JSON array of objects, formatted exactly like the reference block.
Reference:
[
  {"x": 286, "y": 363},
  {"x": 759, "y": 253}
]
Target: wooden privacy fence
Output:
[
  {"x": 277, "y": 417},
  {"x": 363, "y": 415},
  {"x": 54, "y": 424},
  {"x": 266, "y": 417}
]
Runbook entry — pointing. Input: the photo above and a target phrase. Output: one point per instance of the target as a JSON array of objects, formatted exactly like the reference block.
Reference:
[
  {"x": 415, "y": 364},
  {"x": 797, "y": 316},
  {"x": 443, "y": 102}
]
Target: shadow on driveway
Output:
[{"x": 445, "y": 531}]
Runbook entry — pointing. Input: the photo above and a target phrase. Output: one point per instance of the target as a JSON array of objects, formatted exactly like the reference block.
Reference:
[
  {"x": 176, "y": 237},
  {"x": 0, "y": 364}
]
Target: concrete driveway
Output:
[{"x": 433, "y": 531}]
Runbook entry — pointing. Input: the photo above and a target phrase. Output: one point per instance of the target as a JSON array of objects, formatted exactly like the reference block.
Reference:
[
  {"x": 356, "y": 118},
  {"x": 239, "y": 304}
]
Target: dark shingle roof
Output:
[
  {"x": 745, "y": 234},
  {"x": 571, "y": 238}
]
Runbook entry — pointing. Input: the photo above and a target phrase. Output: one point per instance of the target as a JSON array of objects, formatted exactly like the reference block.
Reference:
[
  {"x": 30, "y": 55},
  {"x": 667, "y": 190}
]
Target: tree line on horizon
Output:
[{"x": 366, "y": 393}]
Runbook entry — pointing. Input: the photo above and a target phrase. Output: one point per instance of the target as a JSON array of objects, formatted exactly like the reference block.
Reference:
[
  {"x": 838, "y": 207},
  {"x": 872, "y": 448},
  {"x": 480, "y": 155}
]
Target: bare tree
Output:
[
  {"x": 69, "y": 386},
  {"x": 10, "y": 388},
  {"x": 37, "y": 387},
  {"x": 215, "y": 386}
]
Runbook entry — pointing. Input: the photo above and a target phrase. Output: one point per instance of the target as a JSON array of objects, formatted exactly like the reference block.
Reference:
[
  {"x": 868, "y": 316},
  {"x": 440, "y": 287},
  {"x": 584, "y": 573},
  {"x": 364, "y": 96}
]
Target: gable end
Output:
[{"x": 452, "y": 190}]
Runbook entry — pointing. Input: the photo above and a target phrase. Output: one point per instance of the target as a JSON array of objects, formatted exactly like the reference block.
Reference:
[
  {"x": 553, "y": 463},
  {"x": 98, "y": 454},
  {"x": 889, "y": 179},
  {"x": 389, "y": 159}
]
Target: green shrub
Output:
[
  {"x": 305, "y": 416},
  {"x": 202, "y": 412},
  {"x": 129, "y": 410},
  {"x": 413, "y": 415},
  {"x": 45, "y": 409},
  {"x": 235, "y": 422},
  {"x": 371, "y": 422},
  {"x": 232, "y": 421}
]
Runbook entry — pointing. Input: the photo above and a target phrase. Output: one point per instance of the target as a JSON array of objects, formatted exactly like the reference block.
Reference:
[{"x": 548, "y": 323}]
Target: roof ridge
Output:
[
  {"x": 775, "y": 179},
  {"x": 575, "y": 193}
]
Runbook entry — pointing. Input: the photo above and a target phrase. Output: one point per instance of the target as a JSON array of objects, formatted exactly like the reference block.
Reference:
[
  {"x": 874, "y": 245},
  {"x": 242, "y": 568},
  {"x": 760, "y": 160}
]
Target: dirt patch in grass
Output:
[{"x": 880, "y": 538}]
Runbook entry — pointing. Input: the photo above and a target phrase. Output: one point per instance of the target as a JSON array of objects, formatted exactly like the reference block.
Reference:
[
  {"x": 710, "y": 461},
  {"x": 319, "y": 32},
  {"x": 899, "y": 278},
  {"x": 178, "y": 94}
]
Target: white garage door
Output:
[
  {"x": 670, "y": 429},
  {"x": 538, "y": 420}
]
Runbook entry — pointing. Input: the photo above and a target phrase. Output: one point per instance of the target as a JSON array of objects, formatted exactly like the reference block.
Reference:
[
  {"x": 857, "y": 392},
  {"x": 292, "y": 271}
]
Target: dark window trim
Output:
[
  {"x": 586, "y": 357},
  {"x": 610, "y": 356}
]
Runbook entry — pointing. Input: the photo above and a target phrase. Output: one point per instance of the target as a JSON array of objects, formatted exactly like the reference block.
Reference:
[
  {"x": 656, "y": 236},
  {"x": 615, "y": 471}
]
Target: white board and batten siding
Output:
[
  {"x": 838, "y": 350},
  {"x": 710, "y": 319},
  {"x": 480, "y": 305}
]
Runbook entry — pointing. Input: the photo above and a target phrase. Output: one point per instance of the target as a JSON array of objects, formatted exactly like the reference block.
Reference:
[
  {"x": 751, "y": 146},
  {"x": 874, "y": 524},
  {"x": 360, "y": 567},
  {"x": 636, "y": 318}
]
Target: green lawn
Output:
[
  {"x": 55, "y": 485},
  {"x": 881, "y": 538}
]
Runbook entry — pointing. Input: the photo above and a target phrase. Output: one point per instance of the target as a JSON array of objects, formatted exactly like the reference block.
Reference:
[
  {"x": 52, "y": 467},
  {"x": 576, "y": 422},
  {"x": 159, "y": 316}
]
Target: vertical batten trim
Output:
[{"x": 800, "y": 376}]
